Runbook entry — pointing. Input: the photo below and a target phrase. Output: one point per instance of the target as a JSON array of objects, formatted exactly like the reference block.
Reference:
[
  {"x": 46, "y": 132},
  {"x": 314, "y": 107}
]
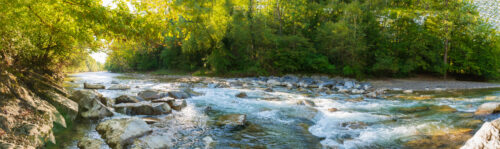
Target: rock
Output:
[
  {"x": 178, "y": 94},
  {"x": 354, "y": 125},
  {"x": 357, "y": 91},
  {"x": 242, "y": 95},
  {"x": 88, "y": 143},
  {"x": 151, "y": 94},
  {"x": 308, "y": 103},
  {"x": 332, "y": 109},
  {"x": 119, "y": 133},
  {"x": 269, "y": 90},
  {"x": 273, "y": 82},
  {"x": 66, "y": 106},
  {"x": 232, "y": 120},
  {"x": 178, "y": 104},
  {"x": 329, "y": 84},
  {"x": 107, "y": 101},
  {"x": 408, "y": 91},
  {"x": 126, "y": 99},
  {"x": 359, "y": 99},
  {"x": 150, "y": 120},
  {"x": 209, "y": 142},
  {"x": 89, "y": 104},
  {"x": 488, "y": 108},
  {"x": 487, "y": 137},
  {"x": 371, "y": 95},
  {"x": 154, "y": 141},
  {"x": 114, "y": 82},
  {"x": 143, "y": 108},
  {"x": 93, "y": 86},
  {"x": 348, "y": 84},
  {"x": 119, "y": 87},
  {"x": 168, "y": 100}
]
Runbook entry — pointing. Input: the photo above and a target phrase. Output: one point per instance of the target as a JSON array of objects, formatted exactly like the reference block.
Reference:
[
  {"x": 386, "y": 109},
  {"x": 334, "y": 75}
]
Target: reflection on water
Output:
[{"x": 275, "y": 120}]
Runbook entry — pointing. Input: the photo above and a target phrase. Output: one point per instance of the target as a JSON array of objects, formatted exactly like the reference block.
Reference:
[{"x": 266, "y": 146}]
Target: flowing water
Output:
[{"x": 275, "y": 120}]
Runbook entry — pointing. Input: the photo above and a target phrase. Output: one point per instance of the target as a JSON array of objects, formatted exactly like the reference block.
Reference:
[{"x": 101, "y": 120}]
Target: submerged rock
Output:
[
  {"x": 488, "y": 136},
  {"x": 89, "y": 104},
  {"x": 232, "y": 120},
  {"x": 126, "y": 99},
  {"x": 143, "y": 108},
  {"x": 119, "y": 87},
  {"x": 155, "y": 141},
  {"x": 119, "y": 133},
  {"x": 93, "y": 86},
  {"x": 151, "y": 94},
  {"x": 88, "y": 143},
  {"x": 488, "y": 108},
  {"x": 242, "y": 95}
]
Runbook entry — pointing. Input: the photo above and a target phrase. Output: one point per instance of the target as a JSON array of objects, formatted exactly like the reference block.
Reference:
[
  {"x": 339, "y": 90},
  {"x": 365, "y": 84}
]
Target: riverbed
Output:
[{"x": 433, "y": 119}]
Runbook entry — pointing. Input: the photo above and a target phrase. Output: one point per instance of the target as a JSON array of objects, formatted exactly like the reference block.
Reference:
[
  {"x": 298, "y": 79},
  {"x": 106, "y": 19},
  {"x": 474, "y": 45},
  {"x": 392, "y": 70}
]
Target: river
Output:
[{"x": 275, "y": 120}]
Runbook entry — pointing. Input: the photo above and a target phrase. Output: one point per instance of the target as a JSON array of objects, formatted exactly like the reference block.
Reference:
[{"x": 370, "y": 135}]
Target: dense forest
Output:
[{"x": 356, "y": 38}]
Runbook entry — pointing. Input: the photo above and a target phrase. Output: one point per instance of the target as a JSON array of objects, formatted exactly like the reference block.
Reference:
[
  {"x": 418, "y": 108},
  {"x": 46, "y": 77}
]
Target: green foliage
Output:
[{"x": 355, "y": 38}]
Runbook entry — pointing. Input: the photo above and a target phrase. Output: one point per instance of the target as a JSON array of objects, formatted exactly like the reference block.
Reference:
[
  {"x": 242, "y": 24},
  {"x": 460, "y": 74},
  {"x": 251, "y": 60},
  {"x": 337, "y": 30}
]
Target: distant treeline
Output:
[
  {"x": 357, "y": 38},
  {"x": 88, "y": 64}
]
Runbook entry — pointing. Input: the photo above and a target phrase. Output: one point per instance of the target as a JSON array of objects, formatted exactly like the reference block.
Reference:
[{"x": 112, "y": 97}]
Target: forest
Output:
[{"x": 353, "y": 38}]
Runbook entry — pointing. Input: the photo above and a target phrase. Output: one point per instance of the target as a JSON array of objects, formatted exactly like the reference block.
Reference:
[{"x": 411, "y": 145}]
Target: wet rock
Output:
[
  {"x": 88, "y": 143},
  {"x": 357, "y": 91},
  {"x": 179, "y": 104},
  {"x": 488, "y": 108},
  {"x": 178, "y": 94},
  {"x": 154, "y": 141},
  {"x": 358, "y": 99},
  {"x": 329, "y": 84},
  {"x": 488, "y": 136},
  {"x": 93, "y": 86},
  {"x": 114, "y": 82},
  {"x": 332, "y": 109},
  {"x": 371, "y": 95},
  {"x": 447, "y": 138},
  {"x": 408, "y": 91},
  {"x": 126, "y": 99},
  {"x": 119, "y": 133},
  {"x": 270, "y": 99},
  {"x": 308, "y": 103},
  {"x": 168, "y": 100},
  {"x": 354, "y": 125},
  {"x": 143, "y": 108},
  {"x": 63, "y": 104},
  {"x": 444, "y": 109},
  {"x": 151, "y": 94},
  {"x": 107, "y": 101},
  {"x": 349, "y": 84},
  {"x": 273, "y": 82},
  {"x": 232, "y": 120},
  {"x": 150, "y": 120},
  {"x": 209, "y": 142},
  {"x": 242, "y": 95},
  {"x": 89, "y": 104},
  {"x": 269, "y": 90},
  {"x": 119, "y": 87}
]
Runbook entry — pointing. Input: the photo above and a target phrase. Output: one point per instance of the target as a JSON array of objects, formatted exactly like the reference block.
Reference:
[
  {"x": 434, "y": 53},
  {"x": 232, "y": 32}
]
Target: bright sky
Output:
[{"x": 99, "y": 57}]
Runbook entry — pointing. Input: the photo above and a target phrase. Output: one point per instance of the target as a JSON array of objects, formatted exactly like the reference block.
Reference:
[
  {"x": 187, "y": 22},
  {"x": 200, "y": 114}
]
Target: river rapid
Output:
[{"x": 442, "y": 119}]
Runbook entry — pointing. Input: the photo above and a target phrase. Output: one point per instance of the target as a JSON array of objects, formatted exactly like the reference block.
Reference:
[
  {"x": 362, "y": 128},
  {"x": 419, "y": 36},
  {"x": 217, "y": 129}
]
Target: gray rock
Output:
[
  {"x": 151, "y": 94},
  {"x": 269, "y": 90},
  {"x": 154, "y": 141},
  {"x": 89, "y": 104},
  {"x": 114, "y": 82},
  {"x": 88, "y": 143},
  {"x": 120, "y": 133},
  {"x": 273, "y": 82},
  {"x": 309, "y": 103},
  {"x": 357, "y": 91},
  {"x": 487, "y": 137},
  {"x": 119, "y": 87},
  {"x": 126, "y": 99},
  {"x": 349, "y": 84},
  {"x": 178, "y": 94},
  {"x": 371, "y": 95},
  {"x": 408, "y": 91},
  {"x": 232, "y": 120},
  {"x": 143, "y": 108},
  {"x": 488, "y": 108},
  {"x": 93, "y": 86},
  {"x": 178, "y": 104}
]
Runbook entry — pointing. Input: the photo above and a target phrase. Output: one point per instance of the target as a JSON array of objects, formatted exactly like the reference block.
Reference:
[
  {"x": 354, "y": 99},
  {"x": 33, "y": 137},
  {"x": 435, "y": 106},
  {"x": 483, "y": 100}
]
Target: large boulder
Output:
[
  {"x": 64, "y": 105},
  {"x": 178, "y": 104},
  {"x": 119, "y": 87},
  {"x": 120, "y": 133},
  {"x": 151, "y": 94},
  {"x": 178, "y": 94},
  {"x": 88, "y": 143},
  {"x": 89, "y": 104},
  {"x": 232, "y": 120},
  {"x": 488, "y": 108},
  {"x": 143, "y": 108},
  {"x": 126, "y": 99},
  {"x": 487, "y": 137},
  {"x": 93, "y": 86}
]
